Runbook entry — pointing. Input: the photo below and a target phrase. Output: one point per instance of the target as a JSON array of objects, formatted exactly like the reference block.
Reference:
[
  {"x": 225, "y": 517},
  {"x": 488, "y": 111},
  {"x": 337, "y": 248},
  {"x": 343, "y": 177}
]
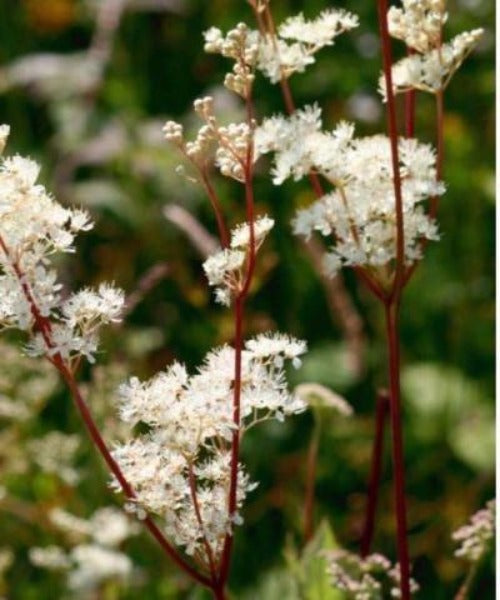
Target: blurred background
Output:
[{"x": 86, "y": 87}]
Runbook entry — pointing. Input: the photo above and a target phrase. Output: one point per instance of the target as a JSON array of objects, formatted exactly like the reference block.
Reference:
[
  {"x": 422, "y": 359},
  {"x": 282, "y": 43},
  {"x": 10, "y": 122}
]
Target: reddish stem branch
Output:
[
  {"x": 239, "y": 306},
  {"x": 311, "y": 467},
  {"x": 392, "y": 314},
  {"x": 392, "y": 327},
  {"x": 199, "y": 518},
  {"x": 214, "y": 201},
  {"x": 43, "y": 325},
  {"x": 235, "y": 445},
  {"x": 375, "y": 472},
  {"x": 393, "y": 136}
]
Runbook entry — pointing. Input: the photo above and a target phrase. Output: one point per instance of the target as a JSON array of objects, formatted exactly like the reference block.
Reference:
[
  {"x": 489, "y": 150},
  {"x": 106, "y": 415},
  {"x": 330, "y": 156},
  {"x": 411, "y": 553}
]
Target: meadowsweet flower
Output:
[
  {"x": 432, "y": 71},
  {"x": 418, "y": 23},
  {"x": 228, "y": 147},
  {"x": 318, "y": 32},
  {"x": 225, "y": 269},
  {"x": 240, "y": 44},
  {"x": 52, "y": 557},
  {"x": 278, "y": 56},
  {"x": 240, "y": 235},
  {"x": 94, "y": 564},
  {"x": 55, "y": 453},
  {"x": 365, "y": 578},
  {"x": 292, "y": 141},
  {"x": 475, "y": 538},
  {"x": 185, "y": 455},
  {"x": 93, "y": 557},
  {"x": 359, "y": 214},
  {"x": 34, "y": 227}
]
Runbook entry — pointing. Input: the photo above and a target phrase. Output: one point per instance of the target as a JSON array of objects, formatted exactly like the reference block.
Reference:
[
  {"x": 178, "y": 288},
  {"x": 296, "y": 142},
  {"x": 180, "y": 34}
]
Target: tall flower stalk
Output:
[{"x": 382, "y": 239}]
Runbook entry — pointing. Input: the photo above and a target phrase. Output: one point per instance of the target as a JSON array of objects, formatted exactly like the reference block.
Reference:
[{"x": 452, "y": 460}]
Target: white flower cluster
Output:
[
  {"x": 33, "y": 227},
  {"x": 240, "y": 44},
  {"x": 227, "y": 146},
  {"x": 360, "y": 212},
  {"x": 180, "y": 468},
  {"x": 279, "y": 54},
  {"x": 55, "y": 453},
  {"x": 476, "y": 537},
  {"x": 94, "y": 558},
  {"x": 226, "y": 268},
  {"x": 365, "y": 578},
  {"x": 419, "y": 24}
]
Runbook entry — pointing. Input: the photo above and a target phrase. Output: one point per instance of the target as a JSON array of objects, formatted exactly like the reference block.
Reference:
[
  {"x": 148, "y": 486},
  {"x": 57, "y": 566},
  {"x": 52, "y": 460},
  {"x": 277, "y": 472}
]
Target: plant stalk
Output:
[
  {"x": 311, "y": 468},
  {"x": 392, "y": 329},
  {"x": 382, "y": 407}
]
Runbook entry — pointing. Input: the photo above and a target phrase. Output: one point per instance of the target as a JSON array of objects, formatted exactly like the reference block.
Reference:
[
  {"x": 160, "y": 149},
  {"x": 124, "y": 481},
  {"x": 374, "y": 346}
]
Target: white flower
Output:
[
  {"x": 55, "y": 453},
  {"x": 287, "y": 138},
  {"x": 275, "y": 56},
  {"x": 225, "y": 268},
  {"x": 432, "y": 71},
  {"x": 418, "y": 23},
  {"x": 320, "y": 31},
  {"x": 360, "y": 213},
  {"x": 476, "y": 537},
  {"x": 50, "y": 557},
  {"x": 240, "y": 235},
  {"x": 363, "y": 578},
  {"x": 95, "y": 564},
  {"x": 33, "y": 227},
  {"x": 191, "y": 423}
]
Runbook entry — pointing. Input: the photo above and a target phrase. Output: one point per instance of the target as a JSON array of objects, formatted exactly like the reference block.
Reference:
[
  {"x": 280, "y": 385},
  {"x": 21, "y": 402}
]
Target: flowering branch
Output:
[
  {"x": 44, "y": 326},
  {"x": 392, "y": 314}
]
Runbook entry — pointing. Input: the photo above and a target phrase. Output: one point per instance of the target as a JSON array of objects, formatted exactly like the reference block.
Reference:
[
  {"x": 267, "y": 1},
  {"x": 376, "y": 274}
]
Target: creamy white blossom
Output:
[
  {"x": 476, "y": 537},
  {"x": 418, "y": 23},
  {"x": 429, "y": 68},
  {"x": 94, "y": 564},
  {"x": 34, "y": 227},
  {"x": 186, "y": 452},
  {"x": 55, "y": 453},
  {"x": 93, "y": 557},
  {"x": 277, "y": 54},
  {"x": 228, "y": 147},
  {"x": 432, "y": 71},
  {"x": 368, "y": 578},
  {"x": 359, "y": 214},
  {"x": 225, "y": 269}
]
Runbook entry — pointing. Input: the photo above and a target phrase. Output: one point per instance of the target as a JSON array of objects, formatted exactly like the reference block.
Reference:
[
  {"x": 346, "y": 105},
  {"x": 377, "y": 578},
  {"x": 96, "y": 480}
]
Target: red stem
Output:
[
  {"x": 43, "y": 325},
  {"x": 312, "y": 458},
  {"x": 115, "y": 469},
  {"x": 196, "y": 506},
  {"x": 239, "y": 305},
  {"x": 392, "y": 327},
  {"x": 235, "y": 445},
  {"x": 393, "y": 135},
  {"x": 214, "y": 201},
  {"x": 375, "y": 472}
]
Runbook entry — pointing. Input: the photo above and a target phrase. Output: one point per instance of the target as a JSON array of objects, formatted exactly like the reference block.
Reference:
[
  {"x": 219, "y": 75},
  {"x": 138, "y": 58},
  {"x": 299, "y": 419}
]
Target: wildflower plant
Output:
[{"x": 180, "y": 468}]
